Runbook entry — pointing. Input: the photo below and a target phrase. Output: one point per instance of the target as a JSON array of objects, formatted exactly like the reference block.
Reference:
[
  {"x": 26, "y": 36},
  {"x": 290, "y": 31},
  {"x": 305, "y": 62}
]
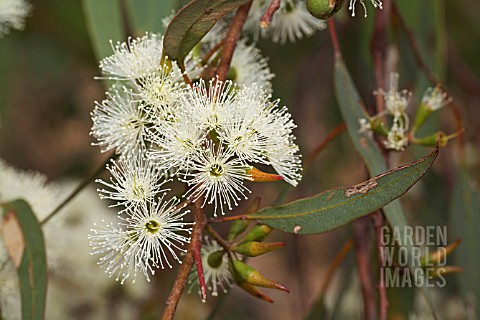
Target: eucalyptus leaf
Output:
[
  {"x": 32, "y": 266},
  {"x": 192, "y": 23},
  {"x": 334, "y": 208},
  {"x": 104, "y": 22},
  {"x": 146, "y": 15},
  {"x": 465, "y": 217}
]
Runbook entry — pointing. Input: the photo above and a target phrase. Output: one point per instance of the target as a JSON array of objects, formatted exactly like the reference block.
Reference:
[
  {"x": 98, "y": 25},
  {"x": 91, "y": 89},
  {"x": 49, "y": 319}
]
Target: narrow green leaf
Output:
[
  {"x": 32, "y": 267},
  {"x": 465, "y": 217},
  {"x": 192, "y": 23},
  {"x": 147, "y": 15},
  {"x": 334, "y": 208},
  {"x": 104, "y": 22},
  {"x": 351, "y": 108}
]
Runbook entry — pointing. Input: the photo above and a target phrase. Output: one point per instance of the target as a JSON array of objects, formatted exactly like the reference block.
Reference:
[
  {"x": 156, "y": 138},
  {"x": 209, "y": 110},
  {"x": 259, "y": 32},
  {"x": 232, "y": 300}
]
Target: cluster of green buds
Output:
[
  {"x": 226, "y": 261},
  {"x": 394, "y": 125}
]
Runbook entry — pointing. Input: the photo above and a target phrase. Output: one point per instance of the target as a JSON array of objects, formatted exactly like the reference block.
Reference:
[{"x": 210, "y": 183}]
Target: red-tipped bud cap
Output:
[{"x": 260, "y": 176}]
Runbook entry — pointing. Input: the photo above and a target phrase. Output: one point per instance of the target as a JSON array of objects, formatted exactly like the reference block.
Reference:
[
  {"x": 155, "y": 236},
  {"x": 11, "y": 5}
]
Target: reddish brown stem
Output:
[
  {"x": 211, "y": 52},
  {"x": 361, "y": 230},
  {"x": 231, "y": 39},
  {"x": 188, "y": 261},
  {"x": 331, "y": 135},
  {"x": 224, "y": 244},
  {"x": 266, "y": 19},
  {"x": 379, "y": 53},
  {"x": 333, "y": 36},
  {"x": 379, "y": 222}
]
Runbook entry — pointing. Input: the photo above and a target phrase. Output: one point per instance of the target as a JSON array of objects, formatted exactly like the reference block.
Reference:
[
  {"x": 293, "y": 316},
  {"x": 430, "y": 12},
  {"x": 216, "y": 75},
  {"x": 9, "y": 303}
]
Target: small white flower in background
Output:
[
  {"x": 12, "y": 15},
  {"x": 435, "y": 98},
  {"x": 375, "y": 3},
  {"x": 134, "y": 181},
  {"x": 292, "y": 22},
  {"x": 249, "y": 66},
  {"x": 395, "y": 101},
  {"x": 215, "y": 268},
  {"x": 365, "y": 125},
  {"x": 219, "y": 176},
  {"x": 145, "y": 240},
  {"x": 119, "y": 122},
  {"x": 397, "y": 138}
]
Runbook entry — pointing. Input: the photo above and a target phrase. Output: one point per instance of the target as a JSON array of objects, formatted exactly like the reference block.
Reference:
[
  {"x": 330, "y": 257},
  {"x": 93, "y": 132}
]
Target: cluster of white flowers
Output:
[
  {"x": 12, "y": 15},
  {"x": 396, "y": 103},
  {"x": 208, "y": 135}
]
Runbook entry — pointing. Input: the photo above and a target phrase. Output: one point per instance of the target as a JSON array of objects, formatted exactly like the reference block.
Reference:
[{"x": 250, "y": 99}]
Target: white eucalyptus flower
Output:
[
  {"x": 147, "y": 238},
  {"x": 249, "y": 66},
  {"x": 13, "y": 14},
  {"x": 397, "y": 138},
  {"x": 219, "y": 176},
  {"x": 175, "y": 142},
  {"x": 395, "y": 101},
  {"x": 119, "y": 122},
  {"x": 158, "y": 96},
  {"x": 435, "y": 98},
  {"x": 206, "y": 105},
  {"x": 133, "y": 59},
  {"x": 134, "y": 180}
]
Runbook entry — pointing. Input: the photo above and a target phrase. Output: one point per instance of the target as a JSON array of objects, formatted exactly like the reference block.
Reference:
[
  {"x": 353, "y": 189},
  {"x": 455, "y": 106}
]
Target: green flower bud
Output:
[
  {"x": 379, "y": 127},
  {"x": 246, "y": 273},
  {"x": 432, "y": 139},
  {"x": 324, "y": 9},
  {"x": 258, "y": 233},
  {"x": 215, "y": 259},
  {"x": 237, "y": 227},
  {"x": 254, "y": 248}
]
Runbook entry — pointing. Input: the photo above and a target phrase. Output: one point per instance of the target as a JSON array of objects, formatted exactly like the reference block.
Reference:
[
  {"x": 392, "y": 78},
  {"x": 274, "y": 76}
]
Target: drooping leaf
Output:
[
  {"x": 192, "y": 23},
  {"x": 104, "y": 22},
  {"x": 32, "y": 267},
  {"x": 465, "y": 217},
  {"x": 334, "y": 208}
]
